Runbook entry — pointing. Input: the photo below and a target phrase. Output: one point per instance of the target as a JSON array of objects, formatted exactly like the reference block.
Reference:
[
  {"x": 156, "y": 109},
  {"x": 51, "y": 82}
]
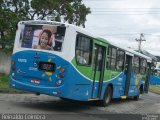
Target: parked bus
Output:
[{"x": 67, "y": 61}]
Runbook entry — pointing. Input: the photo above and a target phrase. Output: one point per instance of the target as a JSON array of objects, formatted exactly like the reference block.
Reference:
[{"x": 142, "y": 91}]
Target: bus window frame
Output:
[
  {"x": 143, "y": 67},
  {"x": 118, "y": 59},
  {"x": 135, "y": 68},
  {"x": 90, "y": 49},
  {"x": 109, "y": 58}
]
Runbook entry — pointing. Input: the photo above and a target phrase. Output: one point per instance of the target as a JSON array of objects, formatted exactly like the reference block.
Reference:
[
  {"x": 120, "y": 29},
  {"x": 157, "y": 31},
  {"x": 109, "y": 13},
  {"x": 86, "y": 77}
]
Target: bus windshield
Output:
[{"x": 46, "y": 37}]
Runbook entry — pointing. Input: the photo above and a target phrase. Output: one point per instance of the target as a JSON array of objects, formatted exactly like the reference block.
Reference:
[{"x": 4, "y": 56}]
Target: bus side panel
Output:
[
  {"x": 133, "y": 87},
  {"x": 79, "y": 87},
  {"x": 135, "y": 82},
  {"x": 117, "y": 83}
]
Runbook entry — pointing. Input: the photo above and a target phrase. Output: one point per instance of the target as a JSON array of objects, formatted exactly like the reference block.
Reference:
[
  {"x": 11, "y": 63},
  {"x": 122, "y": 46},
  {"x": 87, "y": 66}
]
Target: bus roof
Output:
[
  {"x": 134, "y": 53},
  {"x": 41, "y": 22}
]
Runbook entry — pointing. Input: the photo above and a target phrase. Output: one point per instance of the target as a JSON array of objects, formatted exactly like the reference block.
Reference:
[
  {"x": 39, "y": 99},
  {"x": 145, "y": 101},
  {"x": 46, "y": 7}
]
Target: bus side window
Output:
[
  {"x": 98, "y": 58},
  {"x": 143, "y": 65},
  {"x": 136, "y": 64},
  {"x": 111, "y": 58},
  {"x": 120, "y": 60},
  {"x": 83, "y": 50}
]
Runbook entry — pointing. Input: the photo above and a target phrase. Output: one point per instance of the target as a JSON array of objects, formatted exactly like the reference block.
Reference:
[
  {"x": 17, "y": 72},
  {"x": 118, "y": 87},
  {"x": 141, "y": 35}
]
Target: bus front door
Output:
[
  {"x": 128, "y": 74},
  {"x": 98, "y": 70}
]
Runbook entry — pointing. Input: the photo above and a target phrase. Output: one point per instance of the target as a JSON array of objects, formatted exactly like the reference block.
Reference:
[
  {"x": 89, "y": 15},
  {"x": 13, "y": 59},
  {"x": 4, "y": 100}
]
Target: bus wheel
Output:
[
  {"x": 141, "y": 89},
  {"x": 107, "y": 97},
  {"x": 136, "y": 98}
]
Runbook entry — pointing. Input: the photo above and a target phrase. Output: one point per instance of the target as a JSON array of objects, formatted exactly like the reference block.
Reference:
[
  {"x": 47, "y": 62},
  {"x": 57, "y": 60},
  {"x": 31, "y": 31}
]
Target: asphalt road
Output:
[{"x": 60, "y": 109}]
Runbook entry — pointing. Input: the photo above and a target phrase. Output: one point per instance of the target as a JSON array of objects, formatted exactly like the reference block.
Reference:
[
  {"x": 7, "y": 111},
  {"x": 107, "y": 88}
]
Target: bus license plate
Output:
[{"x": 46, "y": 66}]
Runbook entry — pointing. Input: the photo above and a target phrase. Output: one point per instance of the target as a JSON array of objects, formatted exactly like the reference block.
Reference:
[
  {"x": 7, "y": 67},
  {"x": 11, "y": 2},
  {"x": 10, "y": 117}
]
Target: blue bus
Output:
[{"x": 66, "y": 61}]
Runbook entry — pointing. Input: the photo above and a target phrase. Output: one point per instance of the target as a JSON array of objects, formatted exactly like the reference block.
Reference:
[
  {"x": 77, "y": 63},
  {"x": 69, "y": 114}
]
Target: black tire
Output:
[
  {"x": 107, "y": 97},
  {"x": 141, "y": 89},
  {"x": 136, "y": 98}
]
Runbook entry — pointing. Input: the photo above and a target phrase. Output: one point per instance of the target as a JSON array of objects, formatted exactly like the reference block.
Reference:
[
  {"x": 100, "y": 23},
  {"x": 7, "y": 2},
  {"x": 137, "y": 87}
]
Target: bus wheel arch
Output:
[
  {"x": 140, "y": 91},
  {"x": 110, "y": 85},
  {"x": 107, "y": 95}
]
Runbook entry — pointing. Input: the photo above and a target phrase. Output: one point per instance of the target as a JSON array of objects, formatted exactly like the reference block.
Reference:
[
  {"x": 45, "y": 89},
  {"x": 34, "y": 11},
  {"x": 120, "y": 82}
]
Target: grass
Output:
[
  {"x": 154, "y": 89},
  {"x": 4, "y": 85}
]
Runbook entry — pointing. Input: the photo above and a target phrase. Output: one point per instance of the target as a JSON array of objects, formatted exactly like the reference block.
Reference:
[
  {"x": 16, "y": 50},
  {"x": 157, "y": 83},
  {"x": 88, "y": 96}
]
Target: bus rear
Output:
[{"x": 38, "y": 64}]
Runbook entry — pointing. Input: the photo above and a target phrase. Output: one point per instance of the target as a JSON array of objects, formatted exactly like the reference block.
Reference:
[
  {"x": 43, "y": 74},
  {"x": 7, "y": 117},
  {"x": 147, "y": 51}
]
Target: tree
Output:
[
  {"x": 12, "y": 11},
  {"x": 72, "y": 11}
]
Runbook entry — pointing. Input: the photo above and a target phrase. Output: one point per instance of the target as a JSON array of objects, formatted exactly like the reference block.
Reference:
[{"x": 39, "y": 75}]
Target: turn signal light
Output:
[
  {"x": 13, "y": 62},
  {"x": 13, "y": 65},
  {"x": 62, "y": 70},
  {"x": 61, "y": 75}
]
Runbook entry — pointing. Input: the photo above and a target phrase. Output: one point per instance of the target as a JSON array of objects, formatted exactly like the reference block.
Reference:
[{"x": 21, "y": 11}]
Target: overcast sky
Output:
[{"x": 121, "y": 21}]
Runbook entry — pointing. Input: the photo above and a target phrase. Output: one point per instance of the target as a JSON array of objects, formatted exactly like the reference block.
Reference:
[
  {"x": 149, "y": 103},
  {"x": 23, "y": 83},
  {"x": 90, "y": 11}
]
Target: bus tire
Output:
[
  {"x": 136, "y": 98},
  {"x": 107, "y": 97},
  {"x": 141, "y": 89}
]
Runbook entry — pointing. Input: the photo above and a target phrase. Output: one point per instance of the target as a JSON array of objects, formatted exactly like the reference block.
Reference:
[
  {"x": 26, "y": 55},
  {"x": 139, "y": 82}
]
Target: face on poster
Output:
[{"x": 45, "y": 37}]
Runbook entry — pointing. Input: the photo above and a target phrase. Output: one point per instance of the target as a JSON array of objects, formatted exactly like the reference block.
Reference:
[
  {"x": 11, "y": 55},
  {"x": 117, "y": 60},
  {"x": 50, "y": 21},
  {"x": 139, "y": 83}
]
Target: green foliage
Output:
[
  {"x": 12, "y": 11},
  {"x": 4, "y": 82},
  {"x": 4, "y": 85}
]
